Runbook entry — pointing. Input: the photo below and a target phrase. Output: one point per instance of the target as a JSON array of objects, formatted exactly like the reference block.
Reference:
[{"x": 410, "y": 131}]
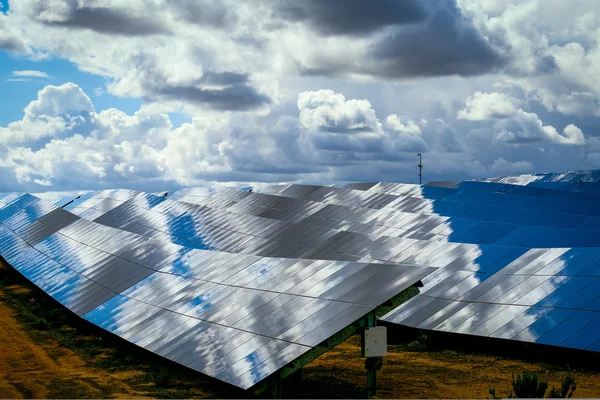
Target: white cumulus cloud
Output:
[
  {"x": 482, "y": 106},
  {"x": 325, "y": 110},
  {"x": 527, "y": 128},
  {"x": 62, "y": 141},
  {"x": 409, "y": 127},
  {"x": 514, "y": 126}
]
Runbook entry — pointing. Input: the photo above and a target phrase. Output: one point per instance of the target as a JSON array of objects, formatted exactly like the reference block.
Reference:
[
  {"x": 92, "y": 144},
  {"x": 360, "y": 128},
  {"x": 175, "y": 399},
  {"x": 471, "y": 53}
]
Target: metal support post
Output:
[
  {"x": 372, "y": 364},
  {"x": 372, "y": 320}
]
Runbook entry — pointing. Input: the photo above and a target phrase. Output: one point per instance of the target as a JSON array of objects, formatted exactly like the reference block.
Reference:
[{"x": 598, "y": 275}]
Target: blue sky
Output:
[
  {"x": 154, "y": 95},
  {"x": 60, "y": 72}
]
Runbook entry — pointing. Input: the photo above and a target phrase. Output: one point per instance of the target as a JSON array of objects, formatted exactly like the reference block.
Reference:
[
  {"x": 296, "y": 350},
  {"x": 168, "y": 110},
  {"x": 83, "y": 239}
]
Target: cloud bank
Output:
[{"x": 312, "y": 91}]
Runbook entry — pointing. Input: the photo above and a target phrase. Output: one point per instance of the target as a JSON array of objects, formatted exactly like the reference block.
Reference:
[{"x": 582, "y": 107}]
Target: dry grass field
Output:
[{"x": 45, "y": 352}]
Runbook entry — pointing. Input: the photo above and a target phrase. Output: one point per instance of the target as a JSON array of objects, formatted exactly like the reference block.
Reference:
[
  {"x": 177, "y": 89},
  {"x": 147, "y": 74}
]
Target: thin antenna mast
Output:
[{"x": 420, "y": 168}]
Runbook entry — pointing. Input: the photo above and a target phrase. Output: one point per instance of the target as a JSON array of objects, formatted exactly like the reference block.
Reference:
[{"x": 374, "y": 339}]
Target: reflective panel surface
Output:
[
  {"x": 236, "y": 284},
  {"x": 161, "y": 284}
]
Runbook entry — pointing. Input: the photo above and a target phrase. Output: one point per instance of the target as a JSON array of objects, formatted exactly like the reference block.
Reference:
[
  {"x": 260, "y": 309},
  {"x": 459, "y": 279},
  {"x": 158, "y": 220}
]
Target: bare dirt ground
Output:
[
  {"x": 31, "y": 369},
  {"x": 44, "y": 353}
]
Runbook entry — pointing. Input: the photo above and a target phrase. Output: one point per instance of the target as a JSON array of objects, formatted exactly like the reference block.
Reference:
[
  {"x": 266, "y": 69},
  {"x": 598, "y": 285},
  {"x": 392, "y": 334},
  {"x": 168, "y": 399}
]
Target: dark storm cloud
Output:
[
  {"x": 445, "y": 43},
  {"x": 239, "y": 97},
  {"x": 220, "y": 90},
  {"x": 448, "y": 44},
  {"x": 109, "y": 21},
  {"x": 351, "y": 17}
]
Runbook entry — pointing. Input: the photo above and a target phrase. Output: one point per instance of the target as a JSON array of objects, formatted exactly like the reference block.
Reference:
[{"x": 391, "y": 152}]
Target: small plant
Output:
[
  {"x": 492, "y": 392},
  {"x": 418, "y": 345},
  {"x": 567, "y": 388},
  {"x": 528, "y": 385}
]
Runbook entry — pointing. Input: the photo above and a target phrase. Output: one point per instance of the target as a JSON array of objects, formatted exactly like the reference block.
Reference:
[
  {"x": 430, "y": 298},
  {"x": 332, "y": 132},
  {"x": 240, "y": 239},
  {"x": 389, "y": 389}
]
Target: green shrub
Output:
[
  {"x": 528, "y": 385},
  {"x": 567, "y": 388}
]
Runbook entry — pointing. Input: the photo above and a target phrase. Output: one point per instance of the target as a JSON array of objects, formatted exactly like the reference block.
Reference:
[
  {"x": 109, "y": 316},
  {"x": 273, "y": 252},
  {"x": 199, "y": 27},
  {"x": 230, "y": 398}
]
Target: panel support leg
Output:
[
  {"x": 371, "y": 363},
  {"x": 371, "y": 366}
]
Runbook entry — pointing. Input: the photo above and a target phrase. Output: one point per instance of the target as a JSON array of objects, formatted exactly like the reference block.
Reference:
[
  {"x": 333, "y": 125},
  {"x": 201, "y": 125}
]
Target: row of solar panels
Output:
[
  {"x": 538, "y": 277},
  {"x": 250, "y": 281},
  {"x": 557, "y": 305},
  {"x": 235, "y": 317},
  {"x": 576, "y": 181},
  {"x": 567, "y": 312},
  {"x": 170, "y": 220},
  {"x": 573, "y": 230}
]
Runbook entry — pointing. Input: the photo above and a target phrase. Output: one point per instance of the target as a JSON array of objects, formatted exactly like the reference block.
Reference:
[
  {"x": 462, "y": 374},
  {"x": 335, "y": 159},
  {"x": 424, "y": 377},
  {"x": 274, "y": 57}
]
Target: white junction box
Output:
[{"x": 374, "y": 342}]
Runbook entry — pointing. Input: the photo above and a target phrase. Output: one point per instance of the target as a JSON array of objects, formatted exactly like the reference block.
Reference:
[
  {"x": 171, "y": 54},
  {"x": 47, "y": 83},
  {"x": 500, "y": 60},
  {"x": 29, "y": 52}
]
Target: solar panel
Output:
[
  {"x": 235, "y": 317},
  {"x": 238, "y": 285}
]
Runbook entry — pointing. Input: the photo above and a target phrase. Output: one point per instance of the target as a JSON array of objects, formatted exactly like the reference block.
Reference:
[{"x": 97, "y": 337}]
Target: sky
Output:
[{"x": 158, "y": 94}]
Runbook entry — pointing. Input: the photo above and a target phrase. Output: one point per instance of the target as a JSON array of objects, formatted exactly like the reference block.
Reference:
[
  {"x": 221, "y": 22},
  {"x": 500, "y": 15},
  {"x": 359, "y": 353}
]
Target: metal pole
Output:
[
  {"x": 420, "y": 168},
  {"x": 371, "y": 363},
  {"x": 371, "y": 377}
]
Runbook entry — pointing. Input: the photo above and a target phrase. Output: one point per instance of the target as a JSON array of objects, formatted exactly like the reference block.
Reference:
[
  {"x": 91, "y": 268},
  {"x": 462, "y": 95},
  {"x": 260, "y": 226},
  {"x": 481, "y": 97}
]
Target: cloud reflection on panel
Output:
[
  {"x": 290, "y": 265},
  {"x": 203, "y": 309}
]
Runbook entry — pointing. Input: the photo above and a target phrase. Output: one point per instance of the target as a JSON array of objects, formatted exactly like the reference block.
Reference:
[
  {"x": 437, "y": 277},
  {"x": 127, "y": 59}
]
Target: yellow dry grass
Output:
[
  {"x": 28, "y": 371},
  {"x": 440, "y": 374}
]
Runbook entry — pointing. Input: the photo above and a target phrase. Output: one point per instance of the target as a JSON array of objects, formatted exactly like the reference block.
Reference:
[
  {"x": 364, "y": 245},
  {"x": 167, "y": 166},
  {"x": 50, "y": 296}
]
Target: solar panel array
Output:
[
  {"x": 233, "y": 316},
  {"x": 548, "y": 296},
  {"x": 237, "y": 284}
]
